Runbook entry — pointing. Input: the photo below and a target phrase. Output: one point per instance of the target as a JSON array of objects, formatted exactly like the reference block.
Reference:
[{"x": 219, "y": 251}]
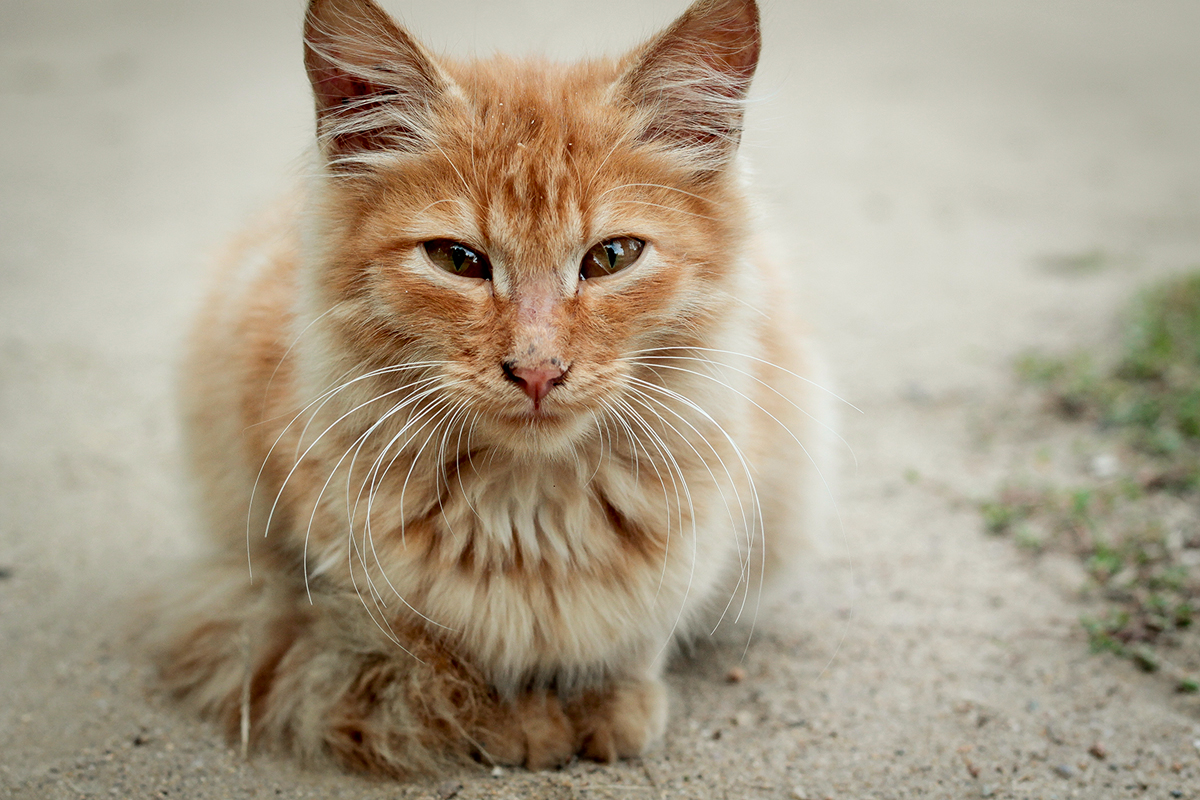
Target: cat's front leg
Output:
[
  {"x": 621, "y": 720},
  {"x": 540, "y": 731},
  {"x": 532, "y": 731}
]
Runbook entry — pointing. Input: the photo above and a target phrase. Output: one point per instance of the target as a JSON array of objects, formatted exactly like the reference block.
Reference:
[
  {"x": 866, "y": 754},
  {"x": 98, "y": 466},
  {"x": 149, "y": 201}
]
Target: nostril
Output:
[{"x": 508, "y": 367}]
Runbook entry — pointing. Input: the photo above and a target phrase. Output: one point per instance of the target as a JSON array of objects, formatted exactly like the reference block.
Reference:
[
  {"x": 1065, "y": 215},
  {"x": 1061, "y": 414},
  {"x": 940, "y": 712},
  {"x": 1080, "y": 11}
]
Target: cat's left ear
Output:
[
  {"x": 691, "y": 81},
  {"x": 375, "y": 86}
]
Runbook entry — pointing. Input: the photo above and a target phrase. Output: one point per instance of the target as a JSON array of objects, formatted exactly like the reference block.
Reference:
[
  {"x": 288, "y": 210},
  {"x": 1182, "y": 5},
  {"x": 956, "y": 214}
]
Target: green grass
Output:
[{"x": 1145, "y": 405}]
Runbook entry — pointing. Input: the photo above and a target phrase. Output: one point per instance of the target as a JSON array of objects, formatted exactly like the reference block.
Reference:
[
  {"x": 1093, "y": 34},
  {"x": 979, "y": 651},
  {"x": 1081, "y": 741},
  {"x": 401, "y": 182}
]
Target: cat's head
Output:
[{"x": 528, "y": 230}]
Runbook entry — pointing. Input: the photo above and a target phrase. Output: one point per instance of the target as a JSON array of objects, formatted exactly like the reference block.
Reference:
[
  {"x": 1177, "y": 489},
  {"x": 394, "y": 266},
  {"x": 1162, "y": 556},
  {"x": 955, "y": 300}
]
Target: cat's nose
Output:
[{"x": 535, "y": 381}]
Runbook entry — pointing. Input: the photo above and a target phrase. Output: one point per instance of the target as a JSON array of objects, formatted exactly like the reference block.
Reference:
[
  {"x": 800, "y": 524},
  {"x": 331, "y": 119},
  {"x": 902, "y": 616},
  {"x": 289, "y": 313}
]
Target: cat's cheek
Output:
[
  {"x": 642, "y": 303},
  {"x": 427, "y": 304}
]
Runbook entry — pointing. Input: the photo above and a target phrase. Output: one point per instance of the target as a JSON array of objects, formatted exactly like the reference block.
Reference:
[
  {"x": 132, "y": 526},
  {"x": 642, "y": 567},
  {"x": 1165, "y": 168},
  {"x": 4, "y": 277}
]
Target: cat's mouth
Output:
[{"x": 538, "y": 415}]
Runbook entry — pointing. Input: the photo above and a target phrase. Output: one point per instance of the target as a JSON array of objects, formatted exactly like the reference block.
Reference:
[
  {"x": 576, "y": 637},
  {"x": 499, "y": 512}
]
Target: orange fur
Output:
[{"x": 442, "y": 567}]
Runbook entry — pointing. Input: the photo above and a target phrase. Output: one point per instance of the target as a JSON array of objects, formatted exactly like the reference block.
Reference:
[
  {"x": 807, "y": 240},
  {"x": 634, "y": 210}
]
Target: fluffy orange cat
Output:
[{"x": 499, "y": 410}]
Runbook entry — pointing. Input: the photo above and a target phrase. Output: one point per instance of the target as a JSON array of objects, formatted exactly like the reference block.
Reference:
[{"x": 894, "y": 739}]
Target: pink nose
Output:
[{"x": 535, "y": 381}]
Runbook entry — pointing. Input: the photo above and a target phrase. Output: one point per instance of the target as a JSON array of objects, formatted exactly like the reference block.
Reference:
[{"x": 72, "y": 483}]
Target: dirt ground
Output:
[{"x": 956, "y": 181}]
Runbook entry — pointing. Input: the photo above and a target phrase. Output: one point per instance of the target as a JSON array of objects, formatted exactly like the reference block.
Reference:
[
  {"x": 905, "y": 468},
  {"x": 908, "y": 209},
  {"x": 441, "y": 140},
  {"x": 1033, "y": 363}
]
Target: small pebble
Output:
[
  {"x": 798, "y": 793},
  {"x": 735, "y": 675},
  {"x": 1105, "y": 465},
  {"x": 1065, "y": 771},
  {"x": 447, "y": 790},
  {"x": 743, "y": 718},
  {"x": 1098, "y": 750},
  {"x": 497, "y": 771},
  {"x": 987, "y": 791}
]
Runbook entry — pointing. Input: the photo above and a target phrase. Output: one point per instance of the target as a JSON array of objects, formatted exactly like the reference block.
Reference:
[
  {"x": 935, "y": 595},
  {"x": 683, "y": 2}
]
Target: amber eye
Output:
[
  {"x": 612, "y": 255},
  {"x": 458, "y": 259}
]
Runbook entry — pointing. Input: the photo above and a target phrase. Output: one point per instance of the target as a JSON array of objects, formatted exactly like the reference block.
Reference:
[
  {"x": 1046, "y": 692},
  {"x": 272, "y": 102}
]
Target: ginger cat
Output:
[{"x": 502, "y": 407}]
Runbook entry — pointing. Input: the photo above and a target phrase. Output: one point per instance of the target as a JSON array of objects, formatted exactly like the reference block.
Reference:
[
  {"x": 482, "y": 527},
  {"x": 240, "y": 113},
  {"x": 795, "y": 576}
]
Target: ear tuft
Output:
[
  {"x": 691, "y": 81},
  {"x": 374, "y": 85}
]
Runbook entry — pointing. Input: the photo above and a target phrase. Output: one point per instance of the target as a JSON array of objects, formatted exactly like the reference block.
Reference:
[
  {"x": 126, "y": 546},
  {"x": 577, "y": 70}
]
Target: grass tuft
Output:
[{"x": 1135, "y": 528}]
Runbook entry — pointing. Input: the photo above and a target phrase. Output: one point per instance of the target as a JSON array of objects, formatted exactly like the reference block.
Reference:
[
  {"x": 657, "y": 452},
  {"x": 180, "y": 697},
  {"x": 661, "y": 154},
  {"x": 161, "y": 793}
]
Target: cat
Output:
[{"x": 496, "y": 411}]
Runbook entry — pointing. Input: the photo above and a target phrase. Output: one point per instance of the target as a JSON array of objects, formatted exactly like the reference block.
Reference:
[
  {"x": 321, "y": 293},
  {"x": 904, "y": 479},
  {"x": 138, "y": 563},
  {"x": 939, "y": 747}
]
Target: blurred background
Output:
[{"x": 953, "y": 181}]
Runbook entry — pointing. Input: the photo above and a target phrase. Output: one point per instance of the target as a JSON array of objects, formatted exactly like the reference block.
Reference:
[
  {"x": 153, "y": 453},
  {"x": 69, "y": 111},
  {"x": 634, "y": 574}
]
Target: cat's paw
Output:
[
  {"x": 622, "y": 721},
  {"x": 533, "y": 732}
]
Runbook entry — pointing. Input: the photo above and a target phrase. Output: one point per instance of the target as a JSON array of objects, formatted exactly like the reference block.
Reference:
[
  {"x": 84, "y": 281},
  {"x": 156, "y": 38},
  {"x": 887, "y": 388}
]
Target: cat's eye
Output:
[
  {"x": 611, "y": 255},
  {"x": 458, "y": 259}
]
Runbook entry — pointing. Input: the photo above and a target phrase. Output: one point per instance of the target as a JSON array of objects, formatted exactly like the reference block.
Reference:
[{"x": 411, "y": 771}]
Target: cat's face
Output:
[{"x": 529, "y": 231}]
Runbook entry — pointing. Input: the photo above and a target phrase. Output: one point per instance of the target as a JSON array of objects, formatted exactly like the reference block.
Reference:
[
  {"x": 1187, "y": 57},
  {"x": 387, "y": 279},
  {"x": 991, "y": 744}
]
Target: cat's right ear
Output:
[{"x": 374, "y": 84}]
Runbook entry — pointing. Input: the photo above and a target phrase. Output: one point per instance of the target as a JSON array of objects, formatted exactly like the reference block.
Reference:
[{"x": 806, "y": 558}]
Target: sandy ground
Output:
[{"x": 929, "y": 164}]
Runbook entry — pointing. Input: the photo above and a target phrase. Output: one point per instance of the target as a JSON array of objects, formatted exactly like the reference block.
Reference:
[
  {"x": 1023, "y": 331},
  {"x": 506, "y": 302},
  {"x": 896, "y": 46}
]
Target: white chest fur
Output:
[{"x": 561, "y": 571}]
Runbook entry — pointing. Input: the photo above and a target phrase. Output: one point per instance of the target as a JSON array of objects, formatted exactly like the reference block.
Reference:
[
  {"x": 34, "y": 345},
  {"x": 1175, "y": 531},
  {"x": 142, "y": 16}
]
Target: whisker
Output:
[
  {"x": 733, "y": 484},
  {"x": 675, "y": 486},
  {"x": 743, "y": 562},
  {"x": 764, "y": 361},
  {"x": 656, "y": 186},
  {"x": 356, "y": 447},
  {"x": 753, "y": 377},
  {"x": 662, "y": 447},
  {"x": 459, "y": 411},
  {"x": 749, "y": 476},
  {"x": 375, "y": 479},
  {"x": 474, "y": 417},
  {"x": 322, "y": 399},
  {"x": 665, "y": 208},
  {"x": 372, "y": 374},
  {"x": 288, "y": 351},
  {"x": 387, "y": 631},
  {"x": 300, "y": 459},
  {"x": 829, "y": 492}
]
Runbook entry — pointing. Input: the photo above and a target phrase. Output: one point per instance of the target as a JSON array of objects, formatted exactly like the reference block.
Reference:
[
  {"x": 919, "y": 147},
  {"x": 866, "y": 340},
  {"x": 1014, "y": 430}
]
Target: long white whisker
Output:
[
  {"x": 388, "y": 632},
  {"x": 771, "y": 364},
  {"x": 749, "y": 476},
  {"x": 665, "y": 449},
  {"x": 828, "y": 489},
  {"x": 663, "y": 207},
  {"x": 790, "y": 433},
  {"x": 459, "y": 411},
  {"x": 428, "y": 387},
  {"x": 468, "y": 417},
  {"x": 375, "y": 478},
  {"x": 372, "y": 374},
  {"x": 290, "y": 347},
  {"x": 655, "y": 186},
  {"x": 667, "y": 458},
  {"x": 321, "y": 399},
  {"x": 732, "y": 483},
  {"x": 300, "y": 459},
  {"x": 600, "y": 445},
  {"x": 355, "y": 447},
  {"x": 749, "y": 375},
  {"x": 743, "y": 562},
  {"x": 471, "y": 462}
]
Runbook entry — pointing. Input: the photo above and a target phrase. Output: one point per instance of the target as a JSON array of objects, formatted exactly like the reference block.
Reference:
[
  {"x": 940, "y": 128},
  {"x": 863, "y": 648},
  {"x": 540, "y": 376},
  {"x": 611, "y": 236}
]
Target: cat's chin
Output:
[{"x": 544, "y": 433}]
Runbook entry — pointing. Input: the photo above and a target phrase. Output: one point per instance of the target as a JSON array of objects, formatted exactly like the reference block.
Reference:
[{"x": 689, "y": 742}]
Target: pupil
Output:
[
  {"x": 458, "y": 255},
  {"x": 613, "y": 251}
]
